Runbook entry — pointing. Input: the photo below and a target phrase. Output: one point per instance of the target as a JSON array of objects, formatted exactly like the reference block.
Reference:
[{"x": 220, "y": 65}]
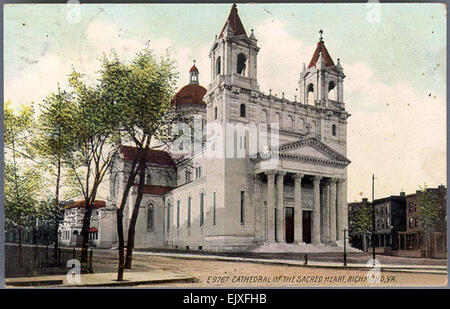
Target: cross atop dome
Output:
[
  {"x": 235, "y": 22},
  {"x": 193, "y": 68}
]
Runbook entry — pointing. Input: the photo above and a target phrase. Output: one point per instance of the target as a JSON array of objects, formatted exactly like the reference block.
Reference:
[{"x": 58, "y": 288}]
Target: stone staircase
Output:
[{"x": 300, "y": 248}]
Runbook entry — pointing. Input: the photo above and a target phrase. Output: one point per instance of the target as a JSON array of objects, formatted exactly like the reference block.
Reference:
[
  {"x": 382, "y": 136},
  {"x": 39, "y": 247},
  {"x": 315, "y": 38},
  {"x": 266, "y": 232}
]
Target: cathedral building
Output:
[{"x": 291, "y": 195}]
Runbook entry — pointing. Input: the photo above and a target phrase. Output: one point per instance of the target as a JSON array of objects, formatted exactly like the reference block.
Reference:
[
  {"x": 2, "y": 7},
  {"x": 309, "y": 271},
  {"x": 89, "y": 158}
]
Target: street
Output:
[{"x": 212, "y": 273}]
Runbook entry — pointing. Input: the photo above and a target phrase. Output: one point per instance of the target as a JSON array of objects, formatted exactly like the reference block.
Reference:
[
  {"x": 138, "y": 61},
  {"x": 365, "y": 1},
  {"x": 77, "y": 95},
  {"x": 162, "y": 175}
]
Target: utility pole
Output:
[
  {"x": 345, "y": 247},
  {"x": 373, "y": 220}
]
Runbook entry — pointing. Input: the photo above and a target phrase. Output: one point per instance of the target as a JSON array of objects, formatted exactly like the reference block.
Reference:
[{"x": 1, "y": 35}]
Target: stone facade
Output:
[
  {"x": 70, "y": 227},
  {"x": 294, "y": 190}
]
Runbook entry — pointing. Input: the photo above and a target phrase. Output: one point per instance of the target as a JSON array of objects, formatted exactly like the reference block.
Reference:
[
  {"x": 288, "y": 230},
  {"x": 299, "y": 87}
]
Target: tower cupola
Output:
[
  {"x": 321, "y": 82},
  {"x": 234, "y": 54},
  {"x": 193, "y": 75}
]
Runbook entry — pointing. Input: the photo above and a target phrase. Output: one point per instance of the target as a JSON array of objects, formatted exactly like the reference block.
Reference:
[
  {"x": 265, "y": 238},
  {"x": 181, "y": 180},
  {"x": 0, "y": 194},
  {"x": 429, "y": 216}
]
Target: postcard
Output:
[{"x": 218, "y": 145}]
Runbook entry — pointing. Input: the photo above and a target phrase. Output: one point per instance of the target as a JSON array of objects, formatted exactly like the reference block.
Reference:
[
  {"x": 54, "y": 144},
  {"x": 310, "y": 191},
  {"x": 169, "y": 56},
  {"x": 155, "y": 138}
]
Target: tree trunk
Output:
[
  {"x": 364, "y": 242},
  {"x": 131, "y": 177},
  {"x": 19, "y": 247},
  {"x": 56, "y": 215},
  {"x": 121, "y": 244},
  {"x": 85, "y": 229},
  {"x": 134, "y": 216},
  {"x": 429, "y": 244}
]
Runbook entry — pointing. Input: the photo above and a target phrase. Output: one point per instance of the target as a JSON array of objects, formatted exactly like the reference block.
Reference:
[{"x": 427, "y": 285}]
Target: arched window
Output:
[
  {"x": 215, "y": 113},
  {"x": 276, "y": 119},
  {"x": 187, "y": 175},
  {"x": 310, "y": 94},
  {"x": 189, "y": 212},
  {"x": 333, "y": 130},
  {"x": 168, "y": 217},
  {"x": 313, "y": 127},
  {"x": 150, "y": 217},
  {"x": 301, "y": 124},
  {"x": 178, "y": 214},
  {"x": 194, "y": 78},
  {"x": 202, "y": 208},
  {"x": 263, "y": 117},
  {"x": 242, "y": 110},
  {"x": 290, "y": 122},
  {"x": 218, "y": 66},
  {"x": 241, "y": 64},
  {"x": 242, "y": 207},
  {"x": 332, "y": 90},
  {"x": 214, "y": 208}
]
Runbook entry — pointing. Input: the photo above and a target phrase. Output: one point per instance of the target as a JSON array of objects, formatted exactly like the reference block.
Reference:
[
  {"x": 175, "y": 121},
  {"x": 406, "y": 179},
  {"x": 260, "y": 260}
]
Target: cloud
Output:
[
  {"x": 36, "y": 80},
  {"x": 394, "y": 131},
  {"x": 103, "y": 37},
  {"x": 280, "y": 58},
  {"x": 40, "y": 77}
]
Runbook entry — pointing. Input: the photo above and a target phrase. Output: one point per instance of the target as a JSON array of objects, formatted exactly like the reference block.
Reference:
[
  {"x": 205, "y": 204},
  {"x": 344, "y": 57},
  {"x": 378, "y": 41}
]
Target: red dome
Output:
[{"x": 190, "y": 94}]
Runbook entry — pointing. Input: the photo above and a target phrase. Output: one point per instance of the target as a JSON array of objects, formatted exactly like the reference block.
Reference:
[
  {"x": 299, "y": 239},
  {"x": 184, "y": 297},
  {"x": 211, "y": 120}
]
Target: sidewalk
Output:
[
  {"x": 428, "y": 269},
  {"x": 102, "y": 279}
]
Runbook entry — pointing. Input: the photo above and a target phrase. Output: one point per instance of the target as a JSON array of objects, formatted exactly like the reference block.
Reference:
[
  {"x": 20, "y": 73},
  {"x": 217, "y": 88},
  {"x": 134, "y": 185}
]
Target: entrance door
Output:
[
  {"x": 289, "y": 224},
  {"x": 307, "y": 226}
]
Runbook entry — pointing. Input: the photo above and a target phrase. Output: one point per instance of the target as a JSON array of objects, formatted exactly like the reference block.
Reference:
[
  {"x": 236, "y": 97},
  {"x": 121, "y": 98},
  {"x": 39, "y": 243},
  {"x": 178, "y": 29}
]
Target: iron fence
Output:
[{"x": 37, "y": 259}]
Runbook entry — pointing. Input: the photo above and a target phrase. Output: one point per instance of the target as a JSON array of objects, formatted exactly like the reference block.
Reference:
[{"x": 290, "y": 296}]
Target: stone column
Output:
[
  {"x": 298, "y": 212},
  {"x": 332, "y": 213},
  {"x": 280, "y": 208},
  {"x": 340, "y": 209},
  {"x": 315, "y": 235},
  {"x": 270, "y": 206},
  {"x": 324, "y": 212}
]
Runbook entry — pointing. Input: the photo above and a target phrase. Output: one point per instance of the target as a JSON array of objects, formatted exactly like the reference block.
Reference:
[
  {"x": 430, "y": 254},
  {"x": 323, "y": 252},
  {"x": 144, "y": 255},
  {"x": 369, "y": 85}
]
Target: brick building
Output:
[
  {"x": 390, "y": 218},
  {"x": 398, "y": 225},
  {"x": 413, "y": 238}
]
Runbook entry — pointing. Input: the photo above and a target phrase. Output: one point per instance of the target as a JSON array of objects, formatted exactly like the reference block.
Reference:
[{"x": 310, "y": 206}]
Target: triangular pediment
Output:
[
  {"x": 306, "y": 151},
  {"x": 312, "y": 149}
]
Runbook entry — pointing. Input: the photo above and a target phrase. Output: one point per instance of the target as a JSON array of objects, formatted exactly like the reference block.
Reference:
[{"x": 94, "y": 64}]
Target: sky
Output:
[{"x": 393, "y": 55}]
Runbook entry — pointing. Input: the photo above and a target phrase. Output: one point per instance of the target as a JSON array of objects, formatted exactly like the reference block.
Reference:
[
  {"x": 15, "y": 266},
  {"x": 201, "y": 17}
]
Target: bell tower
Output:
[
  {"x": 229, "y": 100},
  {"x": 193, "y": 75},
  {"x": 321, "y": 83},
  {"x": 234, "y": 54}
]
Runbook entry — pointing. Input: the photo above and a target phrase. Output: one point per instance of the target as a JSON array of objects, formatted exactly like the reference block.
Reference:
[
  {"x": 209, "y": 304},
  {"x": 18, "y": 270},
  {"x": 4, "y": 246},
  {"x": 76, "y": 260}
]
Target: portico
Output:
[
  {"x": 313, "y": 218},
  {"x": 305, "y": 195}
]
